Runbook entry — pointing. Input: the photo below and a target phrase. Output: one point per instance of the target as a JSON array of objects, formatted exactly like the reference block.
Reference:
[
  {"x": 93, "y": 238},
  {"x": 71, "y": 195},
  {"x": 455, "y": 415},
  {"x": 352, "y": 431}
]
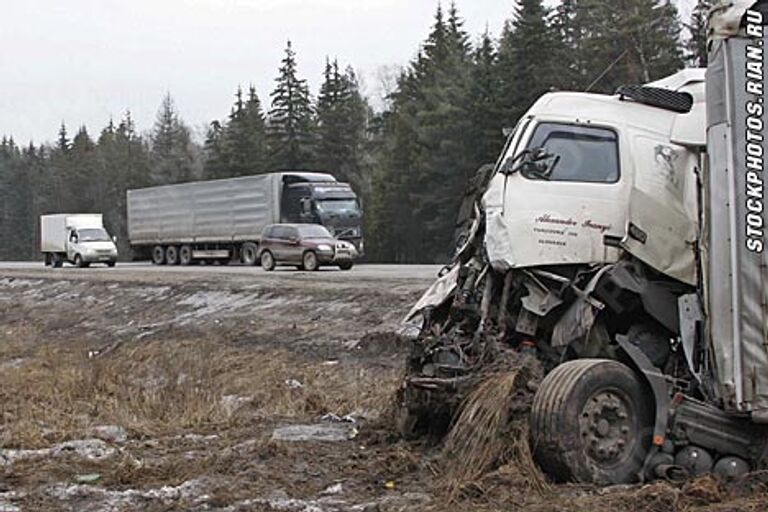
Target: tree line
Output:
[{"x": 409, "y": 161}]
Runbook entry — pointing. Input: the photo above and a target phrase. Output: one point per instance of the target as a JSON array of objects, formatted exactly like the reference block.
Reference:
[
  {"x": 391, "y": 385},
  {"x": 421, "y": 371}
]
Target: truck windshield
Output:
[
  {"x": 338, "y": 206},
  {"x": 93, "y": 235},
  {"x": 314, "y": 231},
  {"x": 587, "y": 154}
]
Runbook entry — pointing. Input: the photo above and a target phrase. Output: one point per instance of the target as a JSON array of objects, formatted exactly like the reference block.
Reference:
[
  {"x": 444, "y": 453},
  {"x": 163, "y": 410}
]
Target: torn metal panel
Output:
[
  {"x": 663, "y": 207},
  {"x": 437, "y": 294}
]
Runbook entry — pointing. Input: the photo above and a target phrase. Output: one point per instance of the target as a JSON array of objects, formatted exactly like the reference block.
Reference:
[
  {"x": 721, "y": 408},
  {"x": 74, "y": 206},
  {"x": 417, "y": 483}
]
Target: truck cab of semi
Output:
[
  {"x": 620, "y": 241},
  {"x": 314, "y": 198}
]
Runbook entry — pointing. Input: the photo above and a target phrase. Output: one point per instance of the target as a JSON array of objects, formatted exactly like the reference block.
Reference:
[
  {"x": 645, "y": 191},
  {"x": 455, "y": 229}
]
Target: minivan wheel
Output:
[
  {"x": 250, "y": 254},
  {"x": 267, "y": 261},
  {"x": 172, "y": 255},
  {"x": 591, "y": 422},
  {"x": 310, "y": 261},
  {"x": 158, "y": 255}
]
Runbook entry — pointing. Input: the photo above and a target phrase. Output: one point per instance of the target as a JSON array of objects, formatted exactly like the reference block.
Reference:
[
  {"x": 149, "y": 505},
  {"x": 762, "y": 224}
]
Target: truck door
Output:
[
  {"x": 72, "y": 244},
  {"x": 570, "y": 209},
  {"x": 292, "y": 244}
]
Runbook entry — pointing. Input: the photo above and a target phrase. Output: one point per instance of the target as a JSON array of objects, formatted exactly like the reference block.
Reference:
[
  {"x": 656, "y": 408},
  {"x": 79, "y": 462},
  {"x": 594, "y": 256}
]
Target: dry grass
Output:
[
  {"x": 165, "y": 388},
  {"x": 486, "y": 435}
]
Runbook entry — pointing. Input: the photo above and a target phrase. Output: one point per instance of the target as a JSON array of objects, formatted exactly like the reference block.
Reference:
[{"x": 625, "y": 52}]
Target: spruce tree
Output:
[
  {"x": 697, "y": 30},
  {"x": 82, "y": 180},
  {"x": 173, "y": 156},
  {"x": 488, "y": 122},
  {"x": 428, "y": 159},
  {"x": 629, "y": 41},
  {"x": 342, "y": 118},
  {"x": 215, "y": 156},
  {"x": 527, "y": 66},
  {"x": 290, "y": 126}
]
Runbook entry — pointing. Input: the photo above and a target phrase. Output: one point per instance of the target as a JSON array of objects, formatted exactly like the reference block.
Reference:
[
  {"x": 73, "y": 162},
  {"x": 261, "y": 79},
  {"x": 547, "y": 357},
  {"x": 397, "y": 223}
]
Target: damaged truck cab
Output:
[
  {"x": 588, "y": 176},
  {"x": 612, "y": 242}
]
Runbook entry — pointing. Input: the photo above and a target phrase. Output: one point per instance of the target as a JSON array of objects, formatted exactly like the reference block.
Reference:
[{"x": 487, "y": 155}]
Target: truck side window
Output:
[{"x": 587, "y": 154}]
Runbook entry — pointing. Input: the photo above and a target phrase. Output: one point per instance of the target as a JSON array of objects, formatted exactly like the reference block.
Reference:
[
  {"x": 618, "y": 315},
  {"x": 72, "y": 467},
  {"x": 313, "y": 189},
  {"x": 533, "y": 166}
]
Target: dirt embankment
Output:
[{"x": 234, "y": 394}]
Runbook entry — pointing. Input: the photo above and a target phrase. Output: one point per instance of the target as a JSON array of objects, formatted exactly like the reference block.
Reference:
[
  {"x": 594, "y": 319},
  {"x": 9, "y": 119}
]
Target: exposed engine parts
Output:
[{"x": 622, "y": 400}]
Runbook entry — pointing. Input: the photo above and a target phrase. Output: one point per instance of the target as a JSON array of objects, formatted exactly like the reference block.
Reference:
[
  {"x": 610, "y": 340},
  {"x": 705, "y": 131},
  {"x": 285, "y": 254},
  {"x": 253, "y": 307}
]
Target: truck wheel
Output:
[
  {"x": 591, "y": 422},
  {"x": 185, "y": 255},
  {"x": 158, "y": 255},
  {"x": 346, "y": 266},
  {"x": 172, "y": 255},
  {"x": 310, "y": 261},
  {"x": 57, "y": 261},
  {"x": 80, "y": 262},
  {"x": 250, "y": 254},
  {"x": 267, "y": 261}
]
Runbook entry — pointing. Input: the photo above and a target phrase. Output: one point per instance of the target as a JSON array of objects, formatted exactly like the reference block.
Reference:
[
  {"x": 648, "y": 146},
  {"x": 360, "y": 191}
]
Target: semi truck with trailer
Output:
[
  {"x": 79, "y": 239},
  {"x": 222, "y": 220},
  {"x": 620, "y": 240}
]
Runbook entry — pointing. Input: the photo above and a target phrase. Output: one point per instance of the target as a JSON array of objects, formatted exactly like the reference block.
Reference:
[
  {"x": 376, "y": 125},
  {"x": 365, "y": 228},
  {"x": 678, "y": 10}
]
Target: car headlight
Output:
[{"x": 324, "y": 248}]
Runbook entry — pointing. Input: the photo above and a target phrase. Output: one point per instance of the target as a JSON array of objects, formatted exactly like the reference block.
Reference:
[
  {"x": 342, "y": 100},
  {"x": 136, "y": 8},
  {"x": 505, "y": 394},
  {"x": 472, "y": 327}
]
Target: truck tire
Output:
[
  {"x": 346, "y": 266},
  {"x": 185, "y": 255},
  {"x": 249, "y": 254},
  {"x": 267, "y": 261},
  {"x": 80, "y": 262},
  {"x": 172, "y": 255},
  {"x": 158, "y": 255},
  {"x": 57, "y": 261},
  {"x": 310, "y": 262},
  {"x": 591, "y": 422}
]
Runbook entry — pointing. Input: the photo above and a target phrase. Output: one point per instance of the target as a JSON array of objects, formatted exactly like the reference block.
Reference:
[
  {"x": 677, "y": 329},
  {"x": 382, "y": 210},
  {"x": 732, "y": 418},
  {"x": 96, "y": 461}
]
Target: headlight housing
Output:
[{"x": 324, "y": 248}]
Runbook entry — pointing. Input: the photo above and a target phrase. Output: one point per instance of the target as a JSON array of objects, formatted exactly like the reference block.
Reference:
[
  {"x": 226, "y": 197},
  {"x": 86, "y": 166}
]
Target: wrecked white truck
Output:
[{"x": 619, "y": 240}]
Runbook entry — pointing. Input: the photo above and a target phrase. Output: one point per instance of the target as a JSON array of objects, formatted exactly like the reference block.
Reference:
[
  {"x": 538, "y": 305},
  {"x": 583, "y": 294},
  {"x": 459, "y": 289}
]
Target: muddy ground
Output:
[{"x": 228, "y": 392}]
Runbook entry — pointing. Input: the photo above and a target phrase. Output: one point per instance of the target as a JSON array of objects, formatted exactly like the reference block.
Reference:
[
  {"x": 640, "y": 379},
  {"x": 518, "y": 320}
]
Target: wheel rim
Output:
[
  {"x": 172, "y": 255},
  {"x": 158, "y": 255},
  {"x": 267, "y": 261},
  {"x": 185, "y": 255},
  {"x": 606, "y": 427},
  {"x": 310, "y": 261},
  {"x": 249, "y": 255}
]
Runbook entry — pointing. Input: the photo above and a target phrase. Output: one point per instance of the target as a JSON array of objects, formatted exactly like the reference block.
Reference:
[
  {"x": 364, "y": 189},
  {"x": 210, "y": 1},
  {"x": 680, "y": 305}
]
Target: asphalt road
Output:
[{"x": 361, "y": 272}]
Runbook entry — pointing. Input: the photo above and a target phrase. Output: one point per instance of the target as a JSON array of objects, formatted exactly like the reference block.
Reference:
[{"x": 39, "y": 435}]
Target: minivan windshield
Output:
[
  {"x": 93, "y": 235},
  {"x": 313, "y": 231}
]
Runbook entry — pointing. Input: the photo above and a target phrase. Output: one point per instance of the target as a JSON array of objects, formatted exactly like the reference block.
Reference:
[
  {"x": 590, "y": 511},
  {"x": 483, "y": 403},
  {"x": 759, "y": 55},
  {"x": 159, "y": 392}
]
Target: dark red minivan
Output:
[{"x": 306, "y": 246}]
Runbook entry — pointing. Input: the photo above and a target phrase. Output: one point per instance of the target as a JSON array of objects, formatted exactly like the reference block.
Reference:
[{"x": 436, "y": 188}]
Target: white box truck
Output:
[{"x": 79, "y": 239}]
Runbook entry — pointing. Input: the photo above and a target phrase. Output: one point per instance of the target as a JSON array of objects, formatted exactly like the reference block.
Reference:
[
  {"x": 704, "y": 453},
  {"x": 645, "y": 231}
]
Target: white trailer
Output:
[{"x": 79, "y": 239}]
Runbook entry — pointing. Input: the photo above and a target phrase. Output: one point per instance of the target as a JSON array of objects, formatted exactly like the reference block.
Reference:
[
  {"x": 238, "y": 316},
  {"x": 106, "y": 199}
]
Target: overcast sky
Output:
[{"x": 82, "y": 61}]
